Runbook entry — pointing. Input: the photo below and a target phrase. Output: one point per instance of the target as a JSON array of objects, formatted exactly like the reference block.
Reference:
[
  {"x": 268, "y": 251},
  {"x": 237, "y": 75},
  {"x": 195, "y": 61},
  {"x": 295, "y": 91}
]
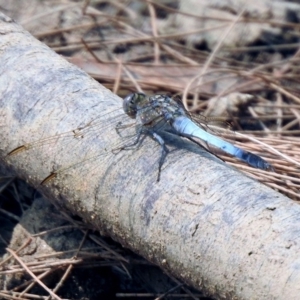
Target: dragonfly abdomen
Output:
[
  {"x": 253, "y": 160},
  {"x": 187, "y": 127}
]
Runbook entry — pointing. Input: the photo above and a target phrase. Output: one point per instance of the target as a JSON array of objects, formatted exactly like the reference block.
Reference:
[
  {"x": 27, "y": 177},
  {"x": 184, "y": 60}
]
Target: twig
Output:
[{"x": 32, "y": 275}]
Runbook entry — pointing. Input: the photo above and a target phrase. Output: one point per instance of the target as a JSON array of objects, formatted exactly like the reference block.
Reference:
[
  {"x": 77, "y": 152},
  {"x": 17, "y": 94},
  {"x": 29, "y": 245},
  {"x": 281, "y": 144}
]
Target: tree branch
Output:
[{"x": 204, "y": 222}]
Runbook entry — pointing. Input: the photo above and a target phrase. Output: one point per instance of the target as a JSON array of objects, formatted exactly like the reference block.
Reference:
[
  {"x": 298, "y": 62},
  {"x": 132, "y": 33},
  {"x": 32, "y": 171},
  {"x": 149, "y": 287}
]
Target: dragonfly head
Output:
[{"x": 131, "y": 103}]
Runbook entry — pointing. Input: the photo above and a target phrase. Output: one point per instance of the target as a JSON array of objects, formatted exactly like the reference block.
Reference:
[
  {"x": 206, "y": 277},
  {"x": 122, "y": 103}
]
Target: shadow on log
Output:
[{"x": 204, "y": 222}]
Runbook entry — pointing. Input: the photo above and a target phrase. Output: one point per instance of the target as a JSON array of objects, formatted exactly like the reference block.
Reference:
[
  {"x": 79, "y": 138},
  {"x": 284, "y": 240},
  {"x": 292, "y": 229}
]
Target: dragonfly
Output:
[
  {"x": 153, "y": 115},
  {"x": 152, "y": 111}
]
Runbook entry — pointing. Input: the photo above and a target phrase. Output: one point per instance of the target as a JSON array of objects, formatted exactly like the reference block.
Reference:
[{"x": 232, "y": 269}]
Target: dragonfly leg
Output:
[
  {"x": 164, "y": 152},
  {"x": 120, "y": 126},
  {"x": 139, "y": 138}
]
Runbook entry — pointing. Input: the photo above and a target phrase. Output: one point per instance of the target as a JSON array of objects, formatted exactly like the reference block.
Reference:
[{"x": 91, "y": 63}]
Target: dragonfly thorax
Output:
[{"x": 168, "y": 108}]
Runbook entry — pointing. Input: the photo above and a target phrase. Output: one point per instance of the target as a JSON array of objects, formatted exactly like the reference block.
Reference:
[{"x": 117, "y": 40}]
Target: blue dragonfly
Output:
[{"x": 153, "y": 112}]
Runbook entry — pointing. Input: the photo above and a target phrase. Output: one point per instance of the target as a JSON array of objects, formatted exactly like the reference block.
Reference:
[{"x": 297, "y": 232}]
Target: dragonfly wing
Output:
[{"x": 97, "y": 132}]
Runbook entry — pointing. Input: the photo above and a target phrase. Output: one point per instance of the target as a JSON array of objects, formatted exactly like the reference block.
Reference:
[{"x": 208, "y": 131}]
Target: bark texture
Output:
[{"x": 205, "y": 222}]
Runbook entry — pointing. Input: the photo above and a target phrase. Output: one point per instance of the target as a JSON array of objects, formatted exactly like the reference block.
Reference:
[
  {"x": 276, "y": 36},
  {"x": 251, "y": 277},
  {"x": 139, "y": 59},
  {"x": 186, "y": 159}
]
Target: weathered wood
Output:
[{"x": 204, "y": 222}]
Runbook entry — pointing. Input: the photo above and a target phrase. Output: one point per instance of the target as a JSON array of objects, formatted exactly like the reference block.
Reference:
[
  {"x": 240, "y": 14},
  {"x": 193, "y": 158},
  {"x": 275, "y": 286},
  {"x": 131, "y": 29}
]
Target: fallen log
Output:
[{"x": 204, "y": 222}]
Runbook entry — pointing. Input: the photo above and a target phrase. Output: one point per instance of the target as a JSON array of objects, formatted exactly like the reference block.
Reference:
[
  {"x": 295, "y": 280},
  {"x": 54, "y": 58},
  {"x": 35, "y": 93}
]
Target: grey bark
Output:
[{"x": 204, "y": 222}]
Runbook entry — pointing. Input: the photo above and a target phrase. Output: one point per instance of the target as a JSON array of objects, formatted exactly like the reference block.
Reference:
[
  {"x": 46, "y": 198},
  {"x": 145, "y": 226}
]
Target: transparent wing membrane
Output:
[
  {"x": 152, "y": 115},
  {"x": 94, "y": 134}
]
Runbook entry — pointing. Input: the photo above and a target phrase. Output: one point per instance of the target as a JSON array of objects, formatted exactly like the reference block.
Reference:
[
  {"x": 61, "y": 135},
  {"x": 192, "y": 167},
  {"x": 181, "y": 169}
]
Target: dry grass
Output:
[{"x": 153, "y": 62}]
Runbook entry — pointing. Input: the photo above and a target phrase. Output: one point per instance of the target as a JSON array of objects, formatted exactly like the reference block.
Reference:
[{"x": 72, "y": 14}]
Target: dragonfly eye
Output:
[
  {"x": 132, "y": 102},
  {"x": 129, "y": 105}
]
